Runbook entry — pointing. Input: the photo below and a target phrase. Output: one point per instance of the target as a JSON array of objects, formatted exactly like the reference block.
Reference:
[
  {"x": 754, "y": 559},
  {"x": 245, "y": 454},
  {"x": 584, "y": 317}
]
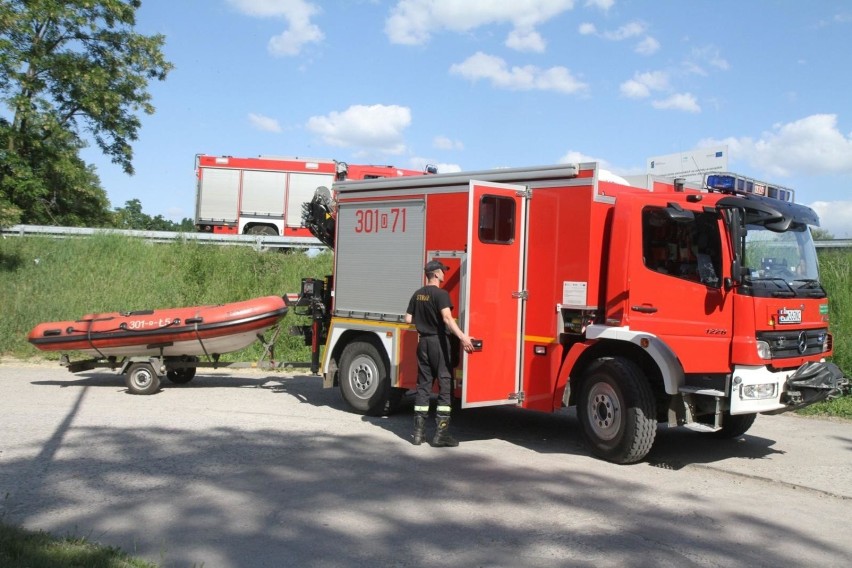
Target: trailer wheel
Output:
[
  {"x": 734, "y": 426},
  {"x": 182, "y": 375},
  {"x": 364, "y": 382},
  {"x": 142, "y": 379},
  {"x": 617, "y": 411}
]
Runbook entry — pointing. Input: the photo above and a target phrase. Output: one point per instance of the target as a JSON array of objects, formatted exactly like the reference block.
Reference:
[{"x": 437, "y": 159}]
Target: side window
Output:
[
  {"x": 690, "y": 250},
  {"x": 496, "y": 219}
]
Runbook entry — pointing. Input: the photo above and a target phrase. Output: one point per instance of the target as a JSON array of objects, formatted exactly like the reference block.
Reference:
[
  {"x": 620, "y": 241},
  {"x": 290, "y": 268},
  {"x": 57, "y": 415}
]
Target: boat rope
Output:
[
  {"x": 201, "y": 342},
  {"x": 91, "y": 342}
]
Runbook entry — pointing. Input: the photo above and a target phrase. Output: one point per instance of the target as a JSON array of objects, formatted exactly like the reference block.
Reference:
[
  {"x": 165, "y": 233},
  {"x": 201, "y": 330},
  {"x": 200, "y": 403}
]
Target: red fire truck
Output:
[
  {"x": 265, "y": 195},
  {"x": 639, "y": 300}
]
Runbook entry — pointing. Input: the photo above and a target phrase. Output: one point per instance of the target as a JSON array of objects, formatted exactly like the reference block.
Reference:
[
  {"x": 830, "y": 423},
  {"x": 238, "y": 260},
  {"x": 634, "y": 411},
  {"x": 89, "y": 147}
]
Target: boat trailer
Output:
[{"x": 144, "y": 373}]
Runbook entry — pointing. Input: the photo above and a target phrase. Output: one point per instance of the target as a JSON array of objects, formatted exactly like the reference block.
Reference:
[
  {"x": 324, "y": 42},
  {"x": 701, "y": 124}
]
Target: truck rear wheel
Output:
[
  {"x": 364, "y": 381},
  {"x": 617, "y": 411},
  {"x": 142, "y": 379},
  {"x": 262, "y": 230}
]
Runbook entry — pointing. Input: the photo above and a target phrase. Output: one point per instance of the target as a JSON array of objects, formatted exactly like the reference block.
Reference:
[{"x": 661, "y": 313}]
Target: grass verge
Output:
[{"x": 21, "y": 548}]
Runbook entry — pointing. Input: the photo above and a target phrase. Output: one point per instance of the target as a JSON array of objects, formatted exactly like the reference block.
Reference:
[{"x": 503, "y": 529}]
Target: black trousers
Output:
[{"x": 433, "y": 362}]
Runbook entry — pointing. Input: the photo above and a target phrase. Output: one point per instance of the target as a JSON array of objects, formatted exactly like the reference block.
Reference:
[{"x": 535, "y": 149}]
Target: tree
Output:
[
  {"x": 131, "y": 217},
  {"x": 68, "y": 69},
  {"x": 49, "y": 184}
]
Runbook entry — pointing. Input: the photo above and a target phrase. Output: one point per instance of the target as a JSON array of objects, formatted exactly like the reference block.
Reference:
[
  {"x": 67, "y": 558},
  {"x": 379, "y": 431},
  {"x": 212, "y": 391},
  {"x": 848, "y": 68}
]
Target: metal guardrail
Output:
[
  {"x": 258, "y": 242},
  {"x": 834, "y": 243}
]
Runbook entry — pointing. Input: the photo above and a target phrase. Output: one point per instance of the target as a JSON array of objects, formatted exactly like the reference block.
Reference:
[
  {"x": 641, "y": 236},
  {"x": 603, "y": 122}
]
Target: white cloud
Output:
[
  {"x": 641, "y": 85},
  {"x": 298, "y": 14},
  {"x": 573, "y": 157},
  {"x": 835, "y": 217},
  {"x": 420, "y": 163},
  {"x": 412, "y": 22},
  {"x": 444, "y": 143},
  {"x": 602, "y": 4},
  {"x": 647, "y": 46},
  {"x": 587, "y": 29},
  {"x": 525, "y": 40},
  {"x": 369, "y": 128},
  {"x": 679, "y": 101},
  {"x": 812, "y": 145},
  {"x": 703, "y": 57},
  {"x": 626, "y": 31},
  {"x": 265, "y": 123},
  {"x": 529, "y": 77}
]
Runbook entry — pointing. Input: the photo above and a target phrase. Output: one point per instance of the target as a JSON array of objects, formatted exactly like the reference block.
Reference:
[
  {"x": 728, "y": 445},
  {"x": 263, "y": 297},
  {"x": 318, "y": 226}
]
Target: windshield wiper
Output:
[
  {"x": 787, "y": 293},
  {"x": 810, "y": 287}
]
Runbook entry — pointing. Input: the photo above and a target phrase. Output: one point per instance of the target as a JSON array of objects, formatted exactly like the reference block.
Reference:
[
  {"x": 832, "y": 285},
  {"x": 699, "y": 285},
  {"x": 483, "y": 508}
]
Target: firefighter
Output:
[{"x": 430, "y": 309}]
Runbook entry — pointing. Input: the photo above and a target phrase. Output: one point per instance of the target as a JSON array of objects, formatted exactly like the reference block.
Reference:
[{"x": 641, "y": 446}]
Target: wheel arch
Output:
[
  {"x": 247, "y": 228},
  {"x": 610, "y": 348},
  {"x": 345, "y": 338}
]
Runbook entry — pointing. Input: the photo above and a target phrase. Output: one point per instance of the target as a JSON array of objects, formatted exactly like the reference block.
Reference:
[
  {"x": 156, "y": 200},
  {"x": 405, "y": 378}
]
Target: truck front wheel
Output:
[
  {"x": 364, "y": 380},
  {"x": 617, "y": 411},
  {"x": 734, "y": 426}
]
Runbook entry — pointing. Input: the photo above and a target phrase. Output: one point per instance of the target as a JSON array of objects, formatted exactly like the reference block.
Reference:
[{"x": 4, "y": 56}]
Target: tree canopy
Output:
[{"x": 70, "y": 72}]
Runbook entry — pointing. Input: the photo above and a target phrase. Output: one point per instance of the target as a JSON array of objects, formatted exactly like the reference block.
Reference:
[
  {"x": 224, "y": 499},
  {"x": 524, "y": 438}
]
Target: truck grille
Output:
[{"x": 794, "y": 343}]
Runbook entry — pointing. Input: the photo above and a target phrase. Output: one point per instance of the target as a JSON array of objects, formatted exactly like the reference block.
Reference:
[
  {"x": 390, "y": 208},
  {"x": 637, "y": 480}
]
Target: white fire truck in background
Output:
[
  {"x": 265, "y": 195},
  {"x": 639, "y": 301}
]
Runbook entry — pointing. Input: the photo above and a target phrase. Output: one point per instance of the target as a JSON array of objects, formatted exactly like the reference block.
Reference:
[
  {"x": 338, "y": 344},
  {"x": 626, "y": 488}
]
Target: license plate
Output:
[{"x": 789, "y": 316}]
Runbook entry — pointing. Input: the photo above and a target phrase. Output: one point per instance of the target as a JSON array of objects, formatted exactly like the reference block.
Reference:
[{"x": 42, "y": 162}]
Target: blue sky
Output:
[{"x": 479, "y": 84}]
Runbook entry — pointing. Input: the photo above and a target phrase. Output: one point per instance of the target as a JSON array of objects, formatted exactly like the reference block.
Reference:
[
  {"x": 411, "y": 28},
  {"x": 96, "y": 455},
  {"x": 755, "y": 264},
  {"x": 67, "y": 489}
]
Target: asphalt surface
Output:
[{"x": 249, "y": 468}]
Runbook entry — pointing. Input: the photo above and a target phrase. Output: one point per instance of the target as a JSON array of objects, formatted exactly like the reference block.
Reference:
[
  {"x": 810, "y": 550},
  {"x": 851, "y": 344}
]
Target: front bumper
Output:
[{"x": 811, "y": 383}]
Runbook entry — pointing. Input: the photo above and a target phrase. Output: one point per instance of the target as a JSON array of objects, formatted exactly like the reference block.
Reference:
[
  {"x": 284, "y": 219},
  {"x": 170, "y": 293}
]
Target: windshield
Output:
[{"x": 782, "y": 264}]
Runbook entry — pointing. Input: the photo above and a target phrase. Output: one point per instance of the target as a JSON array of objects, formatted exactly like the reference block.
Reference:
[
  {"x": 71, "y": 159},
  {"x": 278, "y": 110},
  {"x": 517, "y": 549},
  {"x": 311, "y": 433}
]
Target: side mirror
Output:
[{"x": 678, "y": 214}]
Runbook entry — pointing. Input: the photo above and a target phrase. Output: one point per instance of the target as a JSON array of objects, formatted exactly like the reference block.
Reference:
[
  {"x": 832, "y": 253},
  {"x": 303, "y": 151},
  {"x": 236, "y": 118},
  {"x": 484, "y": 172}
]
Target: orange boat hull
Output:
[{"x": 196, "y": 330}]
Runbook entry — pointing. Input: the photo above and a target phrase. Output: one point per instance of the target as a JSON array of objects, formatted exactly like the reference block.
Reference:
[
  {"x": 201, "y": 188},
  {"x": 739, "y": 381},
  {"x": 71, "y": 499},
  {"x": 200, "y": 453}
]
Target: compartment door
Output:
[{"x": 494, "y": 287}]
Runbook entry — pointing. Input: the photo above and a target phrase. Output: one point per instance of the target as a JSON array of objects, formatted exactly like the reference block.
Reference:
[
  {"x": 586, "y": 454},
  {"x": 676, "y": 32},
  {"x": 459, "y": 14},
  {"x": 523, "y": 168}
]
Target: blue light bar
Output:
[{"x": 732, "y": 183}]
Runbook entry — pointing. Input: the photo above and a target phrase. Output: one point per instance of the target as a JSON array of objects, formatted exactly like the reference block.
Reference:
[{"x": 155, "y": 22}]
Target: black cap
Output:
[{"x": 434, "y": 265}]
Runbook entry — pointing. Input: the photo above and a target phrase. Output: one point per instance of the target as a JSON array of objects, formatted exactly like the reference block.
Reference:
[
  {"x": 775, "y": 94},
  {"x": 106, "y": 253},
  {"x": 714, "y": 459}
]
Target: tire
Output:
[
  {"x": 364, "y": 381},
  {"x": 142, "y": 379},
  {"x": 182, "y": 375},
  {"x": 617, "y": 411},
  {"x": 262, "y": 230},
  {"x": 734, "y": 426}
]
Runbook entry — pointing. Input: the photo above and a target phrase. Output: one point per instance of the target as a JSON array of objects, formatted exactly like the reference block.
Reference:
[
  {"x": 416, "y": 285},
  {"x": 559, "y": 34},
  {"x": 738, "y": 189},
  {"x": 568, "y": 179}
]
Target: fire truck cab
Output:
[{"x": 639, "y": 301}]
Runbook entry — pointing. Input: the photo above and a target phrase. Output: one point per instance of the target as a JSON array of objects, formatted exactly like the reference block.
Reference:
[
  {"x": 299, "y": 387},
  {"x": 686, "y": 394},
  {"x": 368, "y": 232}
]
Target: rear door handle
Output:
[{"x": 645, "y": 309}]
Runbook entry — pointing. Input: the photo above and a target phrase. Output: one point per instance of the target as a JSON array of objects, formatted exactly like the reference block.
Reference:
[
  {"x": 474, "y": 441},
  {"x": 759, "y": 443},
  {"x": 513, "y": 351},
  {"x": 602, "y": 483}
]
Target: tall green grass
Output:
[
  {"x": 836, "y": 275},
  {"x": 43, "y": 279}
]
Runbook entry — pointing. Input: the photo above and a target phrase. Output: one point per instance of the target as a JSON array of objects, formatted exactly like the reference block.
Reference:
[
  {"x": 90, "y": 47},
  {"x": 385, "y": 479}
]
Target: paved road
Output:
[{"x": 248, "y": 468}]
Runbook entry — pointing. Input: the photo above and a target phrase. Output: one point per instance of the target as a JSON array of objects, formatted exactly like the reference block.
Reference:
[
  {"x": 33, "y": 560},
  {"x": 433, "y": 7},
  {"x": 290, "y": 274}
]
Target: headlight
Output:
[
  {"x": 763, "y": 350},
  {"x": 758, "y": 392}
]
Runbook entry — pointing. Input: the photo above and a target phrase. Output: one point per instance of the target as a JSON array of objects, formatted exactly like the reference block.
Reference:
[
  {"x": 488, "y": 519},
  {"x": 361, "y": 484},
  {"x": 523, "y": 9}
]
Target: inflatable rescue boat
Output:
[{"x": 197, "y": 330}]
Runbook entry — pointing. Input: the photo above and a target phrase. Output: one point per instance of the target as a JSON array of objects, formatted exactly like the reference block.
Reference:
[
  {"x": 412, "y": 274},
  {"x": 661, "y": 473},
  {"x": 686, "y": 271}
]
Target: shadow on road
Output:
[
  {"x": 558, "y": 433},
  {"x": 244, "y": 497}
]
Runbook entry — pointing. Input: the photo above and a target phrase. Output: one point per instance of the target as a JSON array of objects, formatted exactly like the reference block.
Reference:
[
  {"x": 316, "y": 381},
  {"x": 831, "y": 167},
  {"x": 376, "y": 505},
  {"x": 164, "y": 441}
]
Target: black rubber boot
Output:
[
  {"x": 442, "y": 436},
  {"x": 419, "y": 429}
]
